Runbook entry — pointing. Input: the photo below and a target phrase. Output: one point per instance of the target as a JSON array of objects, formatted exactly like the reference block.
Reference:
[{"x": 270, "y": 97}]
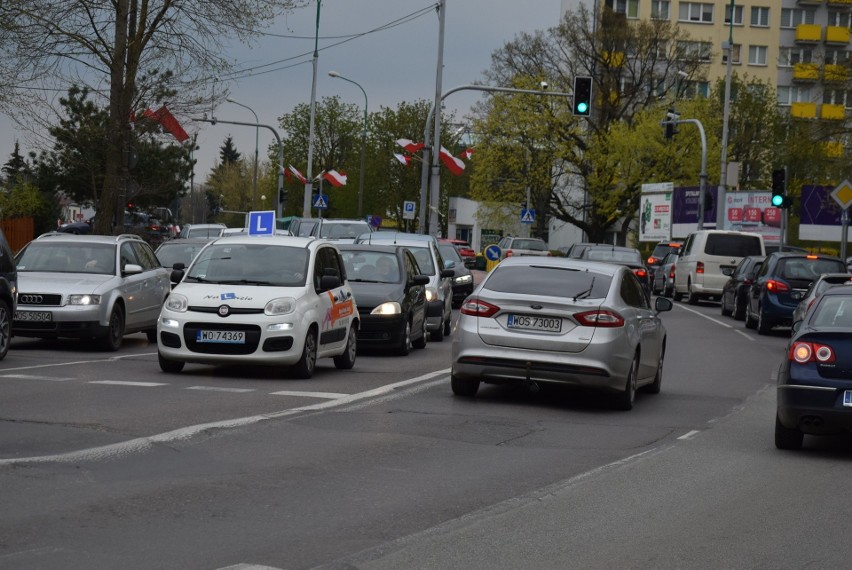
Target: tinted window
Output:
[
  {"x": 809, "y": 269},
  {"x": 531, "y": 244},
  {"x": 833, "y": 311},
  {"x": 548, "y": 281},
  {"x": 616, "y": 255},
  {"x": 632, "y": 293},
  {"x": 7, "y": 264},
  {"x": 731, "y": 245},
  {"x": 663, "y": 249},
  {"x": 339, "y": 230}
]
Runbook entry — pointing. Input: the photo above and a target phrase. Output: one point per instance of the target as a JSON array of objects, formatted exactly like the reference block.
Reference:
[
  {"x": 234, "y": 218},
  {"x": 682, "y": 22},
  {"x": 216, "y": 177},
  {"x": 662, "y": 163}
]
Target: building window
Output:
[
  {"x": 695, "y": 89},
  {"x": 735, "y": 52},
  {"x": 695, "y": 12},
  {"x": 629, "y": 8},
  {"x": 849, "y": 99},
  {"x": 834, "y": 97},
  {"x": 738, "y": 15},
  {"x": 793, "y": 94},
  {"x": 660, "y": 50},
  {"x": 701, "y": 51},
  {"x": 790, "y": 17},
  {"x": 840, "y": 19},
  {"x": 788, "y": 57},
  {"x": 836, "y": 56},
  {"x": 660, "y": 10},
  {"x": 760, "y": 17},
  {"x": 757, "y": 55}
]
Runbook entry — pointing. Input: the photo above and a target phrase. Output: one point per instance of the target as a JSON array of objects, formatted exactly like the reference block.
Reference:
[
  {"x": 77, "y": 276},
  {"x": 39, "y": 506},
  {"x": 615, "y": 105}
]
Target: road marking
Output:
[
  {"x": 745, "y": 334},
  {"x": 215, "y": 389},
  {"x": 245, "y": 566},
  {"x": 31, "y": 377},
  {"x": 717, "y": 321},
  {"x": 126, "y": 383},
  {"x": 326, "y": 395},
  {"x": 110, "y": 359},
  {"x": 689, "y": 434}
]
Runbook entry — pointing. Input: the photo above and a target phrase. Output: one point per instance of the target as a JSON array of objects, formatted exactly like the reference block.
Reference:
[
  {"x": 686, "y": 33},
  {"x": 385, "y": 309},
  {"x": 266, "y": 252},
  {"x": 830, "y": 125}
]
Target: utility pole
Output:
[
  {"x": 435, "y": 196},
  {"x": 726, "y": 114},
  {"x": 702, "y": 188}
]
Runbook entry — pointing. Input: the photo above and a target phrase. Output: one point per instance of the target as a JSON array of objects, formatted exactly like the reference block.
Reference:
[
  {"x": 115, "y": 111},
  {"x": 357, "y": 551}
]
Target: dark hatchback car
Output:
[
  {"x": 780, "y": 284},
  {"x": 655, "y": 260},
  {"x": 8, "y": 294},
  {"x": 463, "y": 279},
  {"x": 390, "y": 294},
  {"x": 735, "y": 292},
  {"x": 662, "y": 280},
  {"x": 815, "y": 380},
  {"x": 626, "y": 256}
]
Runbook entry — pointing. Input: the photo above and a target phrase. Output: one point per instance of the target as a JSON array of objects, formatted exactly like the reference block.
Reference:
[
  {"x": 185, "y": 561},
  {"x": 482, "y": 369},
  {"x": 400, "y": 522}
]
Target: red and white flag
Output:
[
  {"x": 335, "y": 178},
  {"x": 466, "y": 153},
  {"x": 293, "y": 172},
  {"x": 410, "y": 145},
  {"x": 170, "y": 123},
  {"x": 406, "y": 160},
  {"x": 453, "y": 164}
]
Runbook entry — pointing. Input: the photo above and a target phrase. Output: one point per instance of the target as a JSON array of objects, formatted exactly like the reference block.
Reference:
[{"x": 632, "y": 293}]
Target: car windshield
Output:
[
  {"x": 613, "y": 255},
  {"x": 251, "y": 264},
  {"x": 340, "y": 230},
  {"x": 177, "y": 252},
  {"x": 449, "y": 252},
  {"x": 424, "y": 259},
  {"x": 372, "y": 266},
  {"x": 833, "y": 311},
  {"x": 537, "y": 280},
  {"x": 807, "y": 268},
  {"x": 531, "y": 244},
  {"x": 306, "y": 228},
  {"x": 67, "y": 257}
]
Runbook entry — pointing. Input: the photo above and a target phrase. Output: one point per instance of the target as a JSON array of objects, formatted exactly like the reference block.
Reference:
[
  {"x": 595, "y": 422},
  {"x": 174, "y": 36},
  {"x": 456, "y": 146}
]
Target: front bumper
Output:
[
  {"x": 381, "y": 330},
  {"x": 68, "y": 321},
  {"x": 434, "y": 315},
  {"x": 461, "y": 292}
]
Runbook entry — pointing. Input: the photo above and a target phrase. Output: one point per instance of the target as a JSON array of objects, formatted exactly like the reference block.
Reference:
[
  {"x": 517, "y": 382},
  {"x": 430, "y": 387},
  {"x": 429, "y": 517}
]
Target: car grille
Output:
[
  {"x": 190, "y": 333},
  {"x": 40, "y": 299},
  {"x": 231, "y": 311}
]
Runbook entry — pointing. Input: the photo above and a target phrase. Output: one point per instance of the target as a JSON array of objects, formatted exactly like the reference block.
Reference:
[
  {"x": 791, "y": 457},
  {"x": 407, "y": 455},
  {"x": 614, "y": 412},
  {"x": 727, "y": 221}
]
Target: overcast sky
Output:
[{"x": 392, "y": 65}]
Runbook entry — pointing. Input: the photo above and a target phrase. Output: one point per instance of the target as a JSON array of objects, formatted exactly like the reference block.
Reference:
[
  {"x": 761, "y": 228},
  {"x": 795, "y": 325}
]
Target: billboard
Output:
[
  {"x": 655, "y": 212},
  {"x": 820, "y": 215},
  {"x": 685, "y": 210},
  {"x": 753, "y": 212}
]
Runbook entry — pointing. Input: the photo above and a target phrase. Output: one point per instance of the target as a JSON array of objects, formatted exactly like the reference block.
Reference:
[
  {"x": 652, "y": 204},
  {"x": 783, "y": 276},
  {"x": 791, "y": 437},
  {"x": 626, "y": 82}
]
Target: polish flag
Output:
[
  {"x": 170, "y": 123},
  {"x": 410, "y": 145},
  {"x": 406, "y": 160},
  {"x": 294, "y": 172},
  {"x": 466, "y": 154},
  {"x": 453, "y": 164},
  {"x": 335, "y": 178}
]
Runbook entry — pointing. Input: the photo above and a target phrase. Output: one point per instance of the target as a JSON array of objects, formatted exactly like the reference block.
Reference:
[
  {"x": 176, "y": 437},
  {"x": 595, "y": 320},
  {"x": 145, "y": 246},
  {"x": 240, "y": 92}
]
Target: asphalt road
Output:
[{"x": 106, "y": 462}]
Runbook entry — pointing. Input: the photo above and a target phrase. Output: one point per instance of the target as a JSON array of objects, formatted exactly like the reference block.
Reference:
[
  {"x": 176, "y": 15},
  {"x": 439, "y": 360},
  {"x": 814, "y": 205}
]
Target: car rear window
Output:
[
  {"x": 833, "y": 311},
  {"x": 548, "y": 281},
  {"x": 663, "y": 249},
  {"x": 339, "y": 230},
  {"x": 808, "y": 268},
  {"x": 617, "y": 256},
  {"x": 531, "y": 244},
  {"x": 729, "y": 245}
]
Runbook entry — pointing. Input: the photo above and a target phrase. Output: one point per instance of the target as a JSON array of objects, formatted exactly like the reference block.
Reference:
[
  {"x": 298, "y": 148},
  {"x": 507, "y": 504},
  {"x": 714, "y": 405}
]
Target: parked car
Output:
[
  {"x": 627, "y": 256},
  {"x": 705, "y": 253},
  {"x": 735, "y": 291},
  {"x": 390, "y": 293},
  {"x": 268, "y": 300},
  {"x": 8, "y": 294},
  {"x": 817, "y": 288},
  {"x": 663, "y": 282},
  {"x": 565, "y": 321},
  {"x": 780, "y": 285},
  {"x": 464, "y": 250},
  {"x": 209, "y": 231},
  {"x": 515, "y": 246},
  {"x": 439, "y": 291},
  {"x": 815, "y": 379},
  {"x": 462, "y": 278},
  {"x": 100, "y": 287}
]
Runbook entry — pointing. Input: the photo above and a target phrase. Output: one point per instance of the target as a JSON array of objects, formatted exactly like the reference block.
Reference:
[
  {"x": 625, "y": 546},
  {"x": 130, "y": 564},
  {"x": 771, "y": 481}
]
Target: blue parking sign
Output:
[{"x": 261, "y": 223}]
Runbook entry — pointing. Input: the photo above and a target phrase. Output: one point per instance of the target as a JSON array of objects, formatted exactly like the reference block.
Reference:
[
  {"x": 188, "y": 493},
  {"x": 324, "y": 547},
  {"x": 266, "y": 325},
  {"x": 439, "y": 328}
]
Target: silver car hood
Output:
[{"x": 61, "y": 283}]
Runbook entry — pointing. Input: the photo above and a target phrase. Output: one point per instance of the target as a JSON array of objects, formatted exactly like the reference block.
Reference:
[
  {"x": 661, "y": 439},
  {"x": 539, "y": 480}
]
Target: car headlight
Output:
[
  {"x": 389, "y": 308},
  {"x": 431, "y": 294},
  {"x": 280, "y": 306},
  {"x": 84, "y": 299},
  {"x": 463, "y": 280},
  {"x": 177, "y": 302}
]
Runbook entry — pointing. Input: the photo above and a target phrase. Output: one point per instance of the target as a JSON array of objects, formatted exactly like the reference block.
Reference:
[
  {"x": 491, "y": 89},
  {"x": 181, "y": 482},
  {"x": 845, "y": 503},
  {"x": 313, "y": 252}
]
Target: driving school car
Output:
[{"x": 268, "y": 300}]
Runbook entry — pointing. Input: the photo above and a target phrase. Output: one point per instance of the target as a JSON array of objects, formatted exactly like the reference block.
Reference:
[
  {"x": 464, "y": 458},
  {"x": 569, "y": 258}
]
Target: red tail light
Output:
[
  {"x": 811, "y": 257},
  {"x": 509, "y": 253},
  {"x": 640, "y": 273},
  {"x": 601, "y": 318},
  {"x": 699, "y": 267},
  {"x": 672, "y": 273},
  {"x": 652, "y": 260},
  {"x": 774, "y": 286},
  {"x": 804, "y": 352},
  {"x": 478, "y": 308}
]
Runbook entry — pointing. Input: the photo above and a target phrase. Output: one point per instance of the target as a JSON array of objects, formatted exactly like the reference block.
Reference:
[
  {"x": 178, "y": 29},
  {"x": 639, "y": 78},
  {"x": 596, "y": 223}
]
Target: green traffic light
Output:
[
  {"x": 777, "y": 200},
  {"x": 582, "y": 107}
]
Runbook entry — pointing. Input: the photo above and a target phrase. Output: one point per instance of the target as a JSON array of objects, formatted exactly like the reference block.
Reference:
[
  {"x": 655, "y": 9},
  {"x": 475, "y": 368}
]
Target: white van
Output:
[{"x": 705, "y": 253}]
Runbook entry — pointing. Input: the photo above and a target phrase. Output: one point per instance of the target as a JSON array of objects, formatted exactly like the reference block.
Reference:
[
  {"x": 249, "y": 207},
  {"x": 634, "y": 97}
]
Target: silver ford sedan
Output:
[{"x": 558, "y": 320}]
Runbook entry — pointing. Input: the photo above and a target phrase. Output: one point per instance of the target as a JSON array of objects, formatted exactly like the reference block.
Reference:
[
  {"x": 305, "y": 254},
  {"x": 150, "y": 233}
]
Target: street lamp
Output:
[
  {"x": 363, "y": 141},
  {"x": 256, "y": 140}
]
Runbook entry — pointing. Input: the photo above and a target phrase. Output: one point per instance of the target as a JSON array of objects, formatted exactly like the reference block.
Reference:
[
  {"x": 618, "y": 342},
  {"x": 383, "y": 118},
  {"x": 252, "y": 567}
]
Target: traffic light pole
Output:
[{"x": 702, "y": 188}]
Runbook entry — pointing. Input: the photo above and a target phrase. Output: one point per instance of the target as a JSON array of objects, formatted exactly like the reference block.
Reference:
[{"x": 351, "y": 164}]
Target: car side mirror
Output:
[
  {"x": 131, "y": 269},
  {"x": 728, "y": 271},
  {"x": 329, "y": 282},
  {"x": 448, "y": 273},
  {"x": 179, "y": 266},
  {"x": 419, "y": 280},
  {"x": 449, "y": 264},
  {"x": 177, "y": 274},
  {"x": 662, "y": 304}
]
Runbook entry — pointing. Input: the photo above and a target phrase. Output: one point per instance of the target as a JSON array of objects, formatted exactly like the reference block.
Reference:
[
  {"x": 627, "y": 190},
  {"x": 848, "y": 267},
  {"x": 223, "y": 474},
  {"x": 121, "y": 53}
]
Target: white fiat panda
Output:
[{"x": 269, "y": 300}]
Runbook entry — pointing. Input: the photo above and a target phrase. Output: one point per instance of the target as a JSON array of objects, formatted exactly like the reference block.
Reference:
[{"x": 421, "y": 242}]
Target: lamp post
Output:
[
  {"x": 256, "y": 146},
  {"x": 363, "y": 142}
]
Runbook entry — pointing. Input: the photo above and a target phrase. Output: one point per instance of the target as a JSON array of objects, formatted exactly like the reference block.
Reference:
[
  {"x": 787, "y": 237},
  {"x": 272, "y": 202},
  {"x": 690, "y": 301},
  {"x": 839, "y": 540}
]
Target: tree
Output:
[
  {"x": 16, "y": 167},
  {"x": 228, "y": 185},
  {"x": 228, "y": 153},
  {"x": 145, "y": 51}
]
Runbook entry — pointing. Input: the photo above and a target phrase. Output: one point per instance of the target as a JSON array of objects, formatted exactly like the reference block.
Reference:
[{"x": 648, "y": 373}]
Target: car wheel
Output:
[
  {"x": 346, "y": 360},
  {"x": 726, "y": 312},
  {"x": 667, "y": 292},
  {"x": 421, "y": 341},
  {"x": 152, "y": 335},
  {"x": 692, "y": 298},
  {"x": 786, "y": 438},
  {"x": 115, "y": 331},
  {"x": 464, "y": 386},
  {"x": 739, "y": 310},
  {"x": 405, "y": 344},
  {"x": 171, "y": 366},
  {"x": 5, "y": 328},
  {"x": 764, "y": 325},
  {"x": 624, "y": 401},
  {"x": 308, "y": 361},
  {"x": 654, "y": 387},
  {"x": 676, "y": 295},
  {"x": 438, "y": 334},
  {"x": 448, "y": 325},
  {"x": 750, "y": 322}
]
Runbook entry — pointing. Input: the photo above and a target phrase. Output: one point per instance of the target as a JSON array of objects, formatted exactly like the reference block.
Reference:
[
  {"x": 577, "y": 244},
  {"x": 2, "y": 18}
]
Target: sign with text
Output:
[
  {"x": 655, "y": 214},
  {"x": 261, "y": 223},
  {"x": 753, "y": 212}
]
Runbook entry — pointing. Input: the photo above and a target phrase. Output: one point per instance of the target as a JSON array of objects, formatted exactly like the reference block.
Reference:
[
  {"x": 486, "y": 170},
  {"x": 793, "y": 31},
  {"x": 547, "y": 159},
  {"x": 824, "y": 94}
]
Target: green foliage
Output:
[{"x": 22, "y": 200}]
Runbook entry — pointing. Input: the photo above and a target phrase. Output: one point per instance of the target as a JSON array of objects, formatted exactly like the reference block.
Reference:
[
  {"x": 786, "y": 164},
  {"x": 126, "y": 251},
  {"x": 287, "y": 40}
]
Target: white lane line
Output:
[
  {"x": 215, "y": 389},
  {"x": 31, "y": 377},
  {"x": 144, "y": 443},
  {"x": 745, "y": 334},
  {"x": 325, "y": 395},
  {"x": 700, "y": 314},
  {"x": 110, "y": 359},
  {"x": 689, "y": 434},
  {"x": 127, "y": 383}
]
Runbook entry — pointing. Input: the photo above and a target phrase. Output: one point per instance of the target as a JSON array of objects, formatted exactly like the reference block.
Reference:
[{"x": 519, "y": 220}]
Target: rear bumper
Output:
[{"x": 813, "y": 409}]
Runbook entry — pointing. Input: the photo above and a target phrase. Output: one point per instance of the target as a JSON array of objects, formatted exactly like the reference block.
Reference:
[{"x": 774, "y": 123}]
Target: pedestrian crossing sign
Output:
[
  {"x": 321, "y": 201},
  {"x": 527, "y": 216}
]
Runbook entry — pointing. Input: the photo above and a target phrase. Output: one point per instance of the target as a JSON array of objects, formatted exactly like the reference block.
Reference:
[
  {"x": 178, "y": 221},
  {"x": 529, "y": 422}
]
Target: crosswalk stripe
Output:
[
  {"x": 124, "y": 383},
  {"x": 216, "y": 389}
]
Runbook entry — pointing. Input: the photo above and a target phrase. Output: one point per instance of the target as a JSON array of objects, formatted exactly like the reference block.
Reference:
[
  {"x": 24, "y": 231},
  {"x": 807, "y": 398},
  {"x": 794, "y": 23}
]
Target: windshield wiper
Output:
[
  {"x": 245, "y": 282},
  {"x": 364, "y": 281},
  {"x": 587, "y": 292}
]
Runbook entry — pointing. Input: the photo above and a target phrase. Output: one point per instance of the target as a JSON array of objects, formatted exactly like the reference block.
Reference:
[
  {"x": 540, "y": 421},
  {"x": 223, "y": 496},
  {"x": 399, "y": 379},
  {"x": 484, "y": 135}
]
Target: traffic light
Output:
[
  {"x": 779, "y": 187},
  {"x": 672, "y": 117},
  {"x": 582, "y": 96}
]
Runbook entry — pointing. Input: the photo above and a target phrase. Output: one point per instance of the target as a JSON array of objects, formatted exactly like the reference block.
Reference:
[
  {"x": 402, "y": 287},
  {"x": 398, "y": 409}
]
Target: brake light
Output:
[
  {"x": 804, "y": 352},
  {"x": 478, "y": 308},
  {"x": 811, "y": 257},
  {"x": 509, "y": 253},
  {"x": 672, "y": 273},
  {"x": 699, "y": 267},
  {"x": 774, "y": 286},
  {"x": 600, "y": 318},
  {"x": 641, "y": 273},
  {"x": 652, "y": 260}
]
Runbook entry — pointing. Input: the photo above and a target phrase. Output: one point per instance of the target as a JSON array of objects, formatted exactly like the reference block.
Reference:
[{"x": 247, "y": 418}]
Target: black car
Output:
[
  {"x": 463, "y": 279},
  {"x": 660, "y": 251},
  {"x": 627, "y": 256},
  {"x": 8, "y": 294},
  {"x": 815, "y": 380},
  {"x": 735, "y": 291},
  {"x": 79, "y": 228},
  {"x": 780, "y": 284},
  {"x": 390, "y": 294}
]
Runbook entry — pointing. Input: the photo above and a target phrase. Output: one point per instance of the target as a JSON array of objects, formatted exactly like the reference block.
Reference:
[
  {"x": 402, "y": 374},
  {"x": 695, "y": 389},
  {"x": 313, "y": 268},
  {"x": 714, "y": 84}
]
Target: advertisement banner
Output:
[
  {"x": 753, "y": 212},
  {"x": 685, "y": 210},
  {"x": 820, "y": 215},
  {"x": 656, "y": 212}
]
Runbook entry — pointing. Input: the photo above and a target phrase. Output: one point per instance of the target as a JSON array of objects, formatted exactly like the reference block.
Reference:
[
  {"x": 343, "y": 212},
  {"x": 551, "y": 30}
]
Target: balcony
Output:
[
  {"x": 803, "y": 110},
  {"x": 808, "y": 33},
  {"x": 832, "y": 112},
  {"x": 810, "y": 2},
  {"x": 805, "y": 72},
  {"x": 613, "y": 58},
  {"x": 836, "y": 35},
  {"x": 834, "y": 73},
  {"x": 833, "y": 149},
  {"x": 840, "y": 3}
]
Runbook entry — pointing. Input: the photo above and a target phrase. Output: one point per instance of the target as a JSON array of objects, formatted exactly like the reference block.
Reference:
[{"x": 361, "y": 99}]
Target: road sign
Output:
[
  {"x": 374, "y": 220},
  {"x": 321, "y": 201},
  {"x": 493, "y": 253},
  {"x": 408, "y": 210},
  {"x": 261, "y": 223},
  {"x": 843, "y": 194},
  {"x": 527, "y": 216}
]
